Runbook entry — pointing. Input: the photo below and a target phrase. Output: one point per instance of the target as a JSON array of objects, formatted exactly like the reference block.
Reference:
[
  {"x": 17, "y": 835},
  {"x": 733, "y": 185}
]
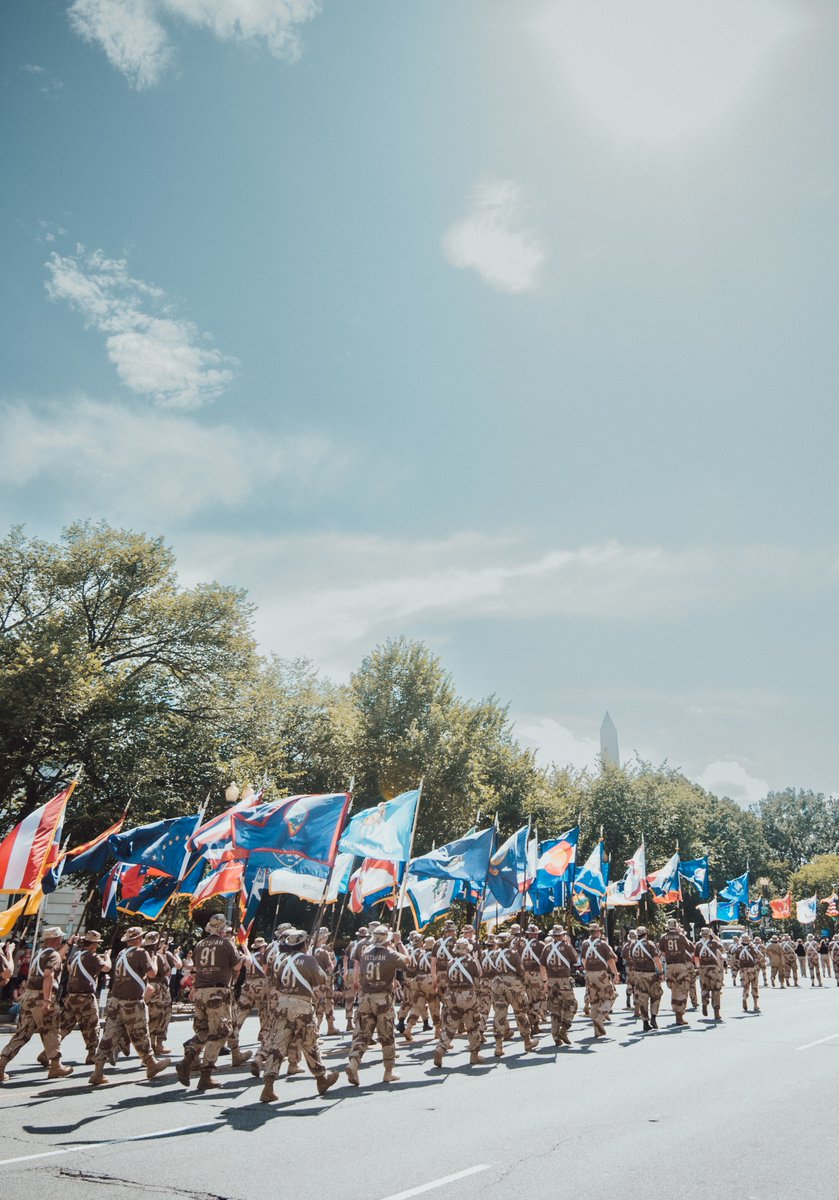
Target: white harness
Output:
[
  {"x": 592, "y": 949},
  {"x": 122, "y": 961},
  {"x": 501, "y": 957},
  {"x": 457, "y": 966},
  {"x": 529, "y": 952},
  {"x": 289, "y": 969},
  {"x": 77, "y": 964},
  {"x": 555, "y": 955}
]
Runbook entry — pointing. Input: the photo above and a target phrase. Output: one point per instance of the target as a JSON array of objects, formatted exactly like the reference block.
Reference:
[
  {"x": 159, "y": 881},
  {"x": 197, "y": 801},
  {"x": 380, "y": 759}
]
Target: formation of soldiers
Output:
[{"x": 453, "y": 984}]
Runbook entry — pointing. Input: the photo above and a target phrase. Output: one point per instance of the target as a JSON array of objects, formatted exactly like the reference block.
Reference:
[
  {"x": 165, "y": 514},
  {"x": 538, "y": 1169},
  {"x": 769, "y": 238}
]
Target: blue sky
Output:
[{"x": 510, "y": 326}]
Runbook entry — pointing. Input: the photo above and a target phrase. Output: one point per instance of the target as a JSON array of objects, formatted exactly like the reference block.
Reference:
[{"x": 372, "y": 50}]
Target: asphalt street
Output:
[{"x": 742, "y": 1109}]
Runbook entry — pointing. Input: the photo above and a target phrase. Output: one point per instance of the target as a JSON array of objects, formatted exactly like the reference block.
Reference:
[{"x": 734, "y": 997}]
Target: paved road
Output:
[{"x": 742, "y": 1109}]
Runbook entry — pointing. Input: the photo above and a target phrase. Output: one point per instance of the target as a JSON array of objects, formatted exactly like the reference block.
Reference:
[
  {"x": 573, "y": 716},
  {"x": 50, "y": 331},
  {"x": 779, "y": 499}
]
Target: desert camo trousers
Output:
[
  {"x": 562, "y": 1005},
  {"x": 749, "y": 978},
  {"x": 425, "y": 1001},
  {"x": 374, "y": 1014},
  {"x": 125, "y": 1020},
  {"x": 648, "y": 992},
  {"x": 711, "y": 981},
  {"x": 678, "y": 980},
  {"x": 33, "y": 1019},
  {"x": 600, "y": 990},
  {"x": 508, "y": 991},
  {"x": 462, "y": 1008},
  {"x": 290, "y": 1025},
  {"x": 211, "y": 1022},
  {"x": 80, "y": 1011}
]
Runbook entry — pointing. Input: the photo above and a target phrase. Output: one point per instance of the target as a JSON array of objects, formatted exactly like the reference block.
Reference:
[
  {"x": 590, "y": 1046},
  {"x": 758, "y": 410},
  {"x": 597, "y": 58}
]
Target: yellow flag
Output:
[
  {"x": 34, "y": 900},
  {"x": 10, "y": 916}
]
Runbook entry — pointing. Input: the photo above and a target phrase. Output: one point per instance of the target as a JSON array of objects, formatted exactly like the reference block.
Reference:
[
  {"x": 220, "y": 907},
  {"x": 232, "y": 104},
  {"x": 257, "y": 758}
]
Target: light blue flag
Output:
[
  {"x": 593, "y": 875},
  {"x": 382, "y": 832},
  {"x": 737, "y": 889},
  {"x": 695, "y": 871},
  {"x": 430, "y": 898},
  {"x": 508, "y": 868},
  {"x": 727, "y": 910},
  {"x": 466, "y": 859}
]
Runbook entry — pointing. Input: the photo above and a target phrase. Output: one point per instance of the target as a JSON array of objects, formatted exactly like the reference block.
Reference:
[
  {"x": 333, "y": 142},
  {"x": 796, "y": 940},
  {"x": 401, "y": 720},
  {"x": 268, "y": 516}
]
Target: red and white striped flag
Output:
[
  {"x": 218, "y": 831},
  {"x": 225, "y": 881},
  {"x": 24, "y": 853}
]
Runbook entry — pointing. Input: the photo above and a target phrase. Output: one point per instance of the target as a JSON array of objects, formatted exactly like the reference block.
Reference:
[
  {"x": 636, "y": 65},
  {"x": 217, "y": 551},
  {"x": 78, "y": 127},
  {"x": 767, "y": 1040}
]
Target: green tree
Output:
[{"x": 798, "y": 825}]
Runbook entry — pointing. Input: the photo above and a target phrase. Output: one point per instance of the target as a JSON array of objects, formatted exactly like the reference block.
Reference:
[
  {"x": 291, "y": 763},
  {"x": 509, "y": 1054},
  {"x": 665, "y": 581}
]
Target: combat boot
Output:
[
  {"x": 646, "y": 1026},
  {"x": 352, "y": 1071},
  {"x": 332, "y": 1029},
  {"x": 717, "y": 1015},
  {"x": 389, "y": 1076},
  {"x": 240, "y": 1057},
  {"x": 680, "y": 1019},
  {"x": 438, "y": 1056},
  {"x": 653, "y": 1021},
  {"x": 532, "y": 1043},
  {"x": 42, "y": 1059},
  {"x": 745, "y": 1006},
  {"x": 56, "y": 1070},
  {"x": 206, "y": 1081},
  {"x": 400, "y": 1025},
  {"x": 409, "y": 1036},
  {"x": 268, "y": 1094},
  {"x": 325, "y": 1082},
  {"x": 98, "y": 1078},
  {"x": 155, "y": 1065},
  {"x": 499, "y": 1049},
  {"x": 4, "y": 1078},
  {"x": 91, "y": 1059},
  {"x": 183, "y": 1069},
  {"x": 475, "y": 1059},
  {"x": 293, "y": 1069}
]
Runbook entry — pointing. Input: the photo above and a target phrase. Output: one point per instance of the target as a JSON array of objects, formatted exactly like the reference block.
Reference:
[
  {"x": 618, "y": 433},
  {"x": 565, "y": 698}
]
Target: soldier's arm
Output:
[
  {"x": 49, "y": 983},
  {"x": 105, "y": 961},
  {"x": 151, "y": 972}
]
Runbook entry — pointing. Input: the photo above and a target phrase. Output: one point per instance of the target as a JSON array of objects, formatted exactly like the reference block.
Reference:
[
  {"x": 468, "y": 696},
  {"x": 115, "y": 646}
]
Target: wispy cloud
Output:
[
  {"x": 134, "y": 33},
  {"x": 146, "y": 466},
  {"x": 733, "y": 780},
  {"x": 156, "y": 354},
  {"x": 48, "y": 84},
  {"x": 495, "y": 240}
]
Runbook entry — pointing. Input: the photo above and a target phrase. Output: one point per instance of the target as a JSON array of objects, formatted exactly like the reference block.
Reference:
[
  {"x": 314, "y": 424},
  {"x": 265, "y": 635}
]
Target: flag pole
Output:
[
  {"x": 479, "y": 908},
  {"x": 404, "y": 885},
  {"x": 328, "y": 883}
]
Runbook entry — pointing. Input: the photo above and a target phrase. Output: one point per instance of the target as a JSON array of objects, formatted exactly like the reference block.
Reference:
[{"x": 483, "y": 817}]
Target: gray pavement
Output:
[{"x": 742, "y": 1109}]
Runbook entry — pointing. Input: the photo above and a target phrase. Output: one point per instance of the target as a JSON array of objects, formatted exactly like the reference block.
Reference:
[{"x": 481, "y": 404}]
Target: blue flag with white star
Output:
[{"x": 161, "y": 845}]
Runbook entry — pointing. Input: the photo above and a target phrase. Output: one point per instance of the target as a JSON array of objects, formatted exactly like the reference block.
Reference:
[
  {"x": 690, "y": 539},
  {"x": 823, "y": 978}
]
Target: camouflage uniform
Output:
[
  {"x": 376, "y": 966},
  {"x": 559, "y": 961},
  {"x": 79, "y": 1009},
  {"x": 749, "y": 959},
  {"x": 216, "y": 960},
  {"x": 775, "y": 955},
  {"x": 254, "y": 994},
  {"x": 813, "y": 963},
  {"x": 834, "y": 958},
  {"x": 325, "y": 992},
  {"x": 462, "y": 1008},
  {"x": 677, "y": 952},
  {"x": 426, "y": 999},
  {"x": 125, "y": 1013},
  {"x": 38, "y": 1015},
  {"x": 159, "y": 997},
  {"x": 626, "y": 954},
  {"x": 508, "y": 991},
  {"x": 599, "y": 963},
  {"x": 531, "y": 959},
  {"x": 648, "y": 987},
  {"x": 290, "y": 1018},
  {"x": 709, "y": 951},
  {"x": 790, "y": 968}
]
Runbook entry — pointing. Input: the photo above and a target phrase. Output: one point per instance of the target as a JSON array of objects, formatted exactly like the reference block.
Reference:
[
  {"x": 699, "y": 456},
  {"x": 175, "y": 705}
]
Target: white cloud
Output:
[
  {"x": 146, "y": 466},
  {"x": 658, "y": 72},
  {"x": 729, "y": 778},
  {"x": 155, "y": 353},
  {"x": 557, "y": 744},
  {"x": 47, "y": 83},
  {"x": 134, "y": 33},
  {"x": 494, "y": 240}
]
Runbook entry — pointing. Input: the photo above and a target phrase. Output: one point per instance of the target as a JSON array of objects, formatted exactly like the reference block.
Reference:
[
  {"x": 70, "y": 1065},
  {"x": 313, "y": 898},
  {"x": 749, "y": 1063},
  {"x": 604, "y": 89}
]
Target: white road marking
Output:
[
  {"x": 830, "y": 1037},
  {"x": 427, "y": 1187},
  {"x": 137, "y": 1137}
]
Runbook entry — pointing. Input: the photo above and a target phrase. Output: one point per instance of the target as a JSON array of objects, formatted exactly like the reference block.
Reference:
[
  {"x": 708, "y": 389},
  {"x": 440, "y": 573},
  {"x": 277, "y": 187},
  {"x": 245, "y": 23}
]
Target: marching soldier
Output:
[
  {"x": 324, "y": 996},
  {"x": 508, "y": 991},
  {"x": 409, "y": 982},
  {"x": 834, "y": 957},
  {"x": 443, "y": 950},
  {"x": 762, "y": 949},
  {"x": 677, "y": 952},
  {"x": 38, "y": 1008},
  {"x": 426, "y": 1000},
  {"x": 375, "y": 972},
  {"x": 291, "y": 1021},
  {"x": 532, "y": 947},
  {"x": 710, "y": 953},
  {"x": 462, "y": 975},
  {"x": 486, "y": 956},
  {"x": 790, "y": 961},
  {"x": 215, "y": 958},
  {"x": 559, "y": 962},
  {"x": 811, "y": 946},
  {"x": 646, "y": 965},
  {"x": 352, "y": 952},
  {"x": 775, "y": 955},
  {"x": 601, "y": 967},
  {"x": 126, "y": 1015},
  {"x": 628, "y": 967},
  {"x": 80, "y": 1010},
  {"x": 254, "y": 993},
  {"x": 749, "y": 959},
  {"x": 159, "y": 1001}
]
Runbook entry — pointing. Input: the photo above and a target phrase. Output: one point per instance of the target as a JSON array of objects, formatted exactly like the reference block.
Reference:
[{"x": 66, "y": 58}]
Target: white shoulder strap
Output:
[
  {"x": 79, "y": 965},
  {"x": 290, "y": 969},
  {"x": 123, "y": 961}
]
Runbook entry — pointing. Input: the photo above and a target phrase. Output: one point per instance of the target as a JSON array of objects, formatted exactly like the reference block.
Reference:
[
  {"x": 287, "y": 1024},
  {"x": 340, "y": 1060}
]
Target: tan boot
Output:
[
  {"x": 240, "y": 1057},
  {"x": 98, "y": 1078},
  {"x": 293, "y": 1069},
  {"x": 408, "y": 1035},
  {"x": 499, "y": 1049},
  {"x": 325, "y": 1082},
  {"x": 438, "y": 1056},
  {"x": 206, "y": 1081},
  {"x": 183, "y": 1069},
  {"x": 475, "y": 1059},
  {"x": 155, "y": 1065},
  {"x": 389, "y": 1076},
  {"x": 352, "y": 1072},
  {"x": 42, "y": 1059},
  {"x": 268, "y": 1094},
  {"x": 56, "y": 1070},
  {"x": 532, "y": 1043},
  {"x": 4, "y": 1077},
  {"x": 332, "y": 1030}
]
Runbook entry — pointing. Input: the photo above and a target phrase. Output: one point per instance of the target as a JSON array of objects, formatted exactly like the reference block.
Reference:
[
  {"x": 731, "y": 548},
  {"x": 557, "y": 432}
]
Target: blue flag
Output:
[
  {"x": 754, "y": 911},
  {"x": 161, "y": 845},
  {"x": 737, "y": 889},
  {"x": 152, "y": 899},
  {"x": 593, "y": 875},
  {"x": 382, "y": 832},
  {"x": 728, "y": 910},
  {"x": 695, "y": 871},
  {"x": 466, "y": 859},
  {"x": 508, "y": 868},
  {"x": 308, "y": 826},
  {"x": 430, "y": 898},
  {"x": 556, "y": 861}
]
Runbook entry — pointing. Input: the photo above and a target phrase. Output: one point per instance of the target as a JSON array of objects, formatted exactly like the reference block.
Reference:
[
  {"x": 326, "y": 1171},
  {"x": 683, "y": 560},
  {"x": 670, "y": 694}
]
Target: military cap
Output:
[
  {"x": 774, "y": 938},
  {"x": 641, "y": 931},
  {"x": 151, "y": 938},
  {"x": 462, "y": 946},
  {"x": 216, "y": 923},
  {"x": 672, "y": 923},
  {"x": 533, "y": 929},
  {"x": 92, "y": 935},
  {"x": 258, "y": 943},
  {"x": 705, "y": 931},
  {"x": 556, "y": 929},
  {"x": 132, "y": 933},
  {"x": 363, "y": 929},
  {"x": 380, "y": 934},
  {"x": 282, "y": 928},
  {"x": 502, "y": 937},
  {"x": 745, "y": 937},
  {"x": 428, "y": 942},
  {"x": 53, "y": 932},
  {"x": 632, "y": 934},
  {"x": 515, "y": 928},
  {"x": 295, "y": 937},
  {"x": 414, "y": 935},
  {"x": 450, "y": 924},
  {"x": 371, "y": 925}
]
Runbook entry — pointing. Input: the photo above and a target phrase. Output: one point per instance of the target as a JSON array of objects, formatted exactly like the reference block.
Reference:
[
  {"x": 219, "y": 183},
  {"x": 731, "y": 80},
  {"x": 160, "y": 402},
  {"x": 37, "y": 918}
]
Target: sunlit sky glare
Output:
[{"x": 507, "y": 326}]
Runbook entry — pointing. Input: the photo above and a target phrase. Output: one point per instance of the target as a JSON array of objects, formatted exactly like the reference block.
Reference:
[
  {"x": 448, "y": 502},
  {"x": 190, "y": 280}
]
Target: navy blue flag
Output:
[
  {"x": 308, "y": 826},
  {"x": 466, "y": 859},
  {"x": 161, "y": 845},
  {"x": 152, "y": 899},
  {"x": 508, "y": 868},
  {"x": 737, "y": 890}
]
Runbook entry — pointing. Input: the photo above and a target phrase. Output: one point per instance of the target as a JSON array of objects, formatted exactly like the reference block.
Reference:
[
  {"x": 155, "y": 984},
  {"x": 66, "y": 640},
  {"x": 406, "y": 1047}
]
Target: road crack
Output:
[{"x": 167, "y": 1190}]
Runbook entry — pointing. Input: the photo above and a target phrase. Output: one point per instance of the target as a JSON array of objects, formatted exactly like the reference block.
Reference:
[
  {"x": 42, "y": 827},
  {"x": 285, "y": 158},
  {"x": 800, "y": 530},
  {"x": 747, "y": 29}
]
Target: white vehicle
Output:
[{"x": 729, "y": 933}]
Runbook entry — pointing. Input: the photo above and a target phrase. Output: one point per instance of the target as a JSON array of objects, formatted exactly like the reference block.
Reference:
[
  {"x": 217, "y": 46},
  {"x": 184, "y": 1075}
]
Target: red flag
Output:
[
  {"x": 782, "y": 909},
  {"x": 225, "y": 881},
  {"x": 25, "y": 852}
]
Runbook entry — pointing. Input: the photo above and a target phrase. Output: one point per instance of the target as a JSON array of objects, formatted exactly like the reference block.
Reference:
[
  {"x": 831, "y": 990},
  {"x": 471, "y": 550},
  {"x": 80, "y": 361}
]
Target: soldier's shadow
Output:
[{"x": 164, "y": 1096}]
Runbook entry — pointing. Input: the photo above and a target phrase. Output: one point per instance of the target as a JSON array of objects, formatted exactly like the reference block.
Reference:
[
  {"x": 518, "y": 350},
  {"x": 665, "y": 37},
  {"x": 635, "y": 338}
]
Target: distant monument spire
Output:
[{"x": 609, "y": 752}]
